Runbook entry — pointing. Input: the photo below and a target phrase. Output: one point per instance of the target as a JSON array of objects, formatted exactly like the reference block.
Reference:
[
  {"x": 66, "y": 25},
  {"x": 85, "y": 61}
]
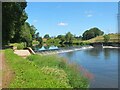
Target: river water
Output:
[{"x": 101, "y": 63}]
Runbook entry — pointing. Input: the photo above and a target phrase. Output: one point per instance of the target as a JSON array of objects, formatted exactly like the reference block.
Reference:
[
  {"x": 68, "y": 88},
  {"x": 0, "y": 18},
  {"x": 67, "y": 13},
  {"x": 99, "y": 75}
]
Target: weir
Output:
[{"x": 57, "y": 51}]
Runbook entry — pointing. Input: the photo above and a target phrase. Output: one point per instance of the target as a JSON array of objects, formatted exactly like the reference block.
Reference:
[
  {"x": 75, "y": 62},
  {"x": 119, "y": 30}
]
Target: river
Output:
[{"x": 101, "y": 63}]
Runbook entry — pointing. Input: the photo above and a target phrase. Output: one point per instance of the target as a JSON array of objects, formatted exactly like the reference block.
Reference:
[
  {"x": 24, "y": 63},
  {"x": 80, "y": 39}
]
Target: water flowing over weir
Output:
[{"x": 57, "y": 51}]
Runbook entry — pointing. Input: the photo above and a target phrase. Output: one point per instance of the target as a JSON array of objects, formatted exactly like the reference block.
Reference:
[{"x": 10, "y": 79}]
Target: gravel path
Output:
[{"x": 1, "y": 69}]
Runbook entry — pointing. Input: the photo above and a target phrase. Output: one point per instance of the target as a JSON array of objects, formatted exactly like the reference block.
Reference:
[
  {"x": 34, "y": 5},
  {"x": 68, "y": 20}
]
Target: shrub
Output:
[
  {"x": 20, "y": 46},
  {"x": 106, "y": 38},
  {"x": 35, "y": 42}
]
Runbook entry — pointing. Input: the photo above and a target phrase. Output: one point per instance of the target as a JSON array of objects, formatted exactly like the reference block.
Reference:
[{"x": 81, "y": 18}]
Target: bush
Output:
[
  {"x": 35, "y": 42},
  {"x": 18, "y": 45},
  {"x": 106, "y": 38}
]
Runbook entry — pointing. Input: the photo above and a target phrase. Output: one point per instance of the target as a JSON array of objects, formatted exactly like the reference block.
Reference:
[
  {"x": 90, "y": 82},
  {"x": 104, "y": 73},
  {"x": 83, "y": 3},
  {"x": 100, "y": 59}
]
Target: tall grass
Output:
[
  {"x": 29, "y": 75},
  {"x": 75, "y": 78}
]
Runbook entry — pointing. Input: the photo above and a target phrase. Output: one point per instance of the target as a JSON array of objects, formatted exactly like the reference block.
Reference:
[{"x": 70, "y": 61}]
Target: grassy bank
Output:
[
  {"x": 72, "y": 70},
  {"x": 44, "y": 72},
  {"x": 113, "y": 38}
]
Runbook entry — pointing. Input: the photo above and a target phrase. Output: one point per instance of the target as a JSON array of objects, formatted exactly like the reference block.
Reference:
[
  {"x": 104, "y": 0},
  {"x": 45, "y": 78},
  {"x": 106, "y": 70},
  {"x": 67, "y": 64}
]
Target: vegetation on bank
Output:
[
  {"x": 44, "y": 72},
  {"x": 105, "y": 38},
  {"x": 18, "y": 45}
]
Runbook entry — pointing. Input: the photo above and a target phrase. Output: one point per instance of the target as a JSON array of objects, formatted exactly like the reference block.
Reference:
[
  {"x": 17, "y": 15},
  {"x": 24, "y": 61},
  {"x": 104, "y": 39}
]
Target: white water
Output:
[{"x": 63, "y": 51}]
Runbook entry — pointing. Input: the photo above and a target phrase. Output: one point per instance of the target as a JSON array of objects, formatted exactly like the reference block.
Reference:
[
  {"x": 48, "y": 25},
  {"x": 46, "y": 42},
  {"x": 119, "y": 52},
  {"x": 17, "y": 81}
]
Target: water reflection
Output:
[
  {"x": 94, "y": 52},
  {"x": 70, "y": 54},
  {"x": 106, "y": 54}
]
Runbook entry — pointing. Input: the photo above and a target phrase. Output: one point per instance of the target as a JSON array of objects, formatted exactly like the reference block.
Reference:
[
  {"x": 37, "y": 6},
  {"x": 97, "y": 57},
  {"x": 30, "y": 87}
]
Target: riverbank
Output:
[{"x": 44, "y": 72}]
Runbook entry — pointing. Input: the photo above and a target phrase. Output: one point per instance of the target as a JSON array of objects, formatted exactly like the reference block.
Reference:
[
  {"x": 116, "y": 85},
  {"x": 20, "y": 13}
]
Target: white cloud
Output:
[
  {"x": 89, "y": 15},
  {"x": 62, "y": 24},
  {"x": 35, "y": 21}
]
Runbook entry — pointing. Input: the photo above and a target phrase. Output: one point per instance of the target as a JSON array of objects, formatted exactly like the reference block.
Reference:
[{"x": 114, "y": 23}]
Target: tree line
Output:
[
  {"x": 68, "y": 38},
  {"x": 15, "y": 29}
]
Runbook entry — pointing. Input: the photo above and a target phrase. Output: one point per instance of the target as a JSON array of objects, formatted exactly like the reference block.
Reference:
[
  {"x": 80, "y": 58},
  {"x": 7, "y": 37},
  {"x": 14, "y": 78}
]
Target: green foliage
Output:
[
  {"x": 106, "y": 38},
  {"x": 84, "y": 43},
  {"x": 25, "y": 34},
  {"x": 13, "y": 16},
  {"x": 35, "y": 42},
  {"x": 52, "y": 41},
  {"x": 62, "y": 38},
  {"x": 15, "y": 29},
  {"x": 18, "y": 45},
  {"x": 37, "y": 35},
  {"x": 91, "y": 33},
  {"x": 69, "y": 37},
  {"x": 57, "y": 73},
  {"x": 47, "y": 36},
  {"x": 32, "y": 31},
  {"x": 76, "y": 80},
  {"x": 56, "y": 41},
  {"x": 29, "y": 75},
  {"x": 112, "y": 38},
  {"x": 40, "y": 40}
]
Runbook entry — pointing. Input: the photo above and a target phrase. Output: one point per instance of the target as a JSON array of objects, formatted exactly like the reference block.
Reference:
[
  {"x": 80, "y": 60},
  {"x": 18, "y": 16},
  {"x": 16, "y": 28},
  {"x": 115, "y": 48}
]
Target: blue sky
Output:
[{"x": 56, "y": 18}]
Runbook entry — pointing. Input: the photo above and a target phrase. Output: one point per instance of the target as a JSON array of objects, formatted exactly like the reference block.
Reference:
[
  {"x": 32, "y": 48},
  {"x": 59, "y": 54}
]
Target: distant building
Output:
[{"x": 119, "y": 17}]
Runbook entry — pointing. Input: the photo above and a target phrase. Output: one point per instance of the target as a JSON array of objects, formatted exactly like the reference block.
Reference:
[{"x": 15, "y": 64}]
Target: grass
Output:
[
  {"x": 29, "y": 75},
  {"x": 113, "y": 38},
  {"x": 76, "y": 79},
  {"x": 44, "y": 72}
]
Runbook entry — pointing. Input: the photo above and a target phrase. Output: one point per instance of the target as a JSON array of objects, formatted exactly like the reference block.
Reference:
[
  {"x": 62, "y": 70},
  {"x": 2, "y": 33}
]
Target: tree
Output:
[
  {"x": 61, "y": 38},
  {"x": 106, "y": 38},
  {"x": 40, "y": 40},
  {"x": 69, "y": 37},
  {"x": 37, "y": 35},
  {"x": 47, "y": 36},
  {"x": 91, "y": 33},
  {"x": 25, "y": 34},
  {"x": 13, "y": 17},
  {"x": 32, "y": 31}
]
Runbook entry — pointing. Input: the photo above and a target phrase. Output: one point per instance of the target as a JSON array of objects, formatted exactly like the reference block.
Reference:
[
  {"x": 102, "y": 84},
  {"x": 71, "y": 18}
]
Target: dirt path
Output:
[
  {"x": 0, "y": 69},
  {"x": 7, "y": 74}
]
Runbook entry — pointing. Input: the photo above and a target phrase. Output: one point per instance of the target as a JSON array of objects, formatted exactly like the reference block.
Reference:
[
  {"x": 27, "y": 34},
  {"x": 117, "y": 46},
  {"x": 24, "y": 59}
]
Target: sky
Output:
[{"x": 55, "y": 18}]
